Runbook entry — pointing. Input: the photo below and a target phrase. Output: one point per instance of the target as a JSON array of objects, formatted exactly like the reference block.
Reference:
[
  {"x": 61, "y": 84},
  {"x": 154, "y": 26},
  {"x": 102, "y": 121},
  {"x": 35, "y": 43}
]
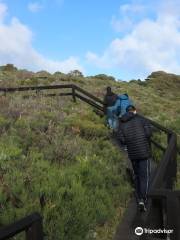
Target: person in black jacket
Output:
[
  {"x": 135, "y": 132},
  {"x": 110, "y": 109}
]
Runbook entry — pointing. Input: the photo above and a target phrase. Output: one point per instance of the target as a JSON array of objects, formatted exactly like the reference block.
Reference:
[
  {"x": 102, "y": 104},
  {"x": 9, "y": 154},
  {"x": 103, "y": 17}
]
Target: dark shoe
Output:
[
  {"x": 125, "y": 148},
  {"x": 141, "y": 206}
]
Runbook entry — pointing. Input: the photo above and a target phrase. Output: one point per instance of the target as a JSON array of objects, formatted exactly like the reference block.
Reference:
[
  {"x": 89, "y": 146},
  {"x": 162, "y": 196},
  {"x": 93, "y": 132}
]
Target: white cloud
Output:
[
  {"x": 122, "y": 25},
  {"x": 131, "y": 8},
  {"x": 34, "y": 7},
  {"x": 100, "y": 62},
  {"x": 3, "y": 11},
  {"x": 127, "y": 16},
  {"x": 16, "y": 47},
  {"x": 152, "y": 44}
]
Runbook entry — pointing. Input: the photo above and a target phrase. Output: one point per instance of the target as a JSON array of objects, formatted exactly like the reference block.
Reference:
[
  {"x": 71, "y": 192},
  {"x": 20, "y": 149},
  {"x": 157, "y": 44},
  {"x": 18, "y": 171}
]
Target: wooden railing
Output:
[
  {"x": 31, "y": 225},
  {"x": 164, "y": 208},
  {"x": 74, "y": 91}
]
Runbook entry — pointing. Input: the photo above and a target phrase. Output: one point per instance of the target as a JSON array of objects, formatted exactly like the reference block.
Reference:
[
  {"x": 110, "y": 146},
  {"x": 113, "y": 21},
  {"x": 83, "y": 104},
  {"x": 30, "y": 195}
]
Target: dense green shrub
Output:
[
  {"x": 65, "y": 158},
  {"x": 77, "y": 198},
  {"x": 56, "y": 156}
]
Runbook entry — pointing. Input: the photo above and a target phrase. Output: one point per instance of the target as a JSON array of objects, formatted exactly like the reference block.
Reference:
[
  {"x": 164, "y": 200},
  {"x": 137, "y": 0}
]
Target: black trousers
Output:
[{"x": 141, "y": 170}]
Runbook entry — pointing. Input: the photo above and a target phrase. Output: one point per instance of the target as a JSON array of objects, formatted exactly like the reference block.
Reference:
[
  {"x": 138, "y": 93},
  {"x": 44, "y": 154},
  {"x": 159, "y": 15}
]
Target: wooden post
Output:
[
  {"x": 173, "y": 217},
  {"x": 168, "y": 137},
  {"x": 38, "y": 91},
  {"x": 73, "y": 94},
  {"x": 35, "y": 231}
]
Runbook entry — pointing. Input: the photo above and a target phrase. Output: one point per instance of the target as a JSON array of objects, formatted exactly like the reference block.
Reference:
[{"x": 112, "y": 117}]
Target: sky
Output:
[{"x": 126, "y": 39}]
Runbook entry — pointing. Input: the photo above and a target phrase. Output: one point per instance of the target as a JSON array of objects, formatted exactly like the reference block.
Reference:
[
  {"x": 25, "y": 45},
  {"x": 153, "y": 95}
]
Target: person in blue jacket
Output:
[{"x": 122, "y": 103}]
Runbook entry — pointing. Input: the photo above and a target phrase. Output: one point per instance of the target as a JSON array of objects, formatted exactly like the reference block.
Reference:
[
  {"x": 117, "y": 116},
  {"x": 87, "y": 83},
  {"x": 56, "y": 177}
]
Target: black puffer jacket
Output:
[{"x": 135, "y": 132}]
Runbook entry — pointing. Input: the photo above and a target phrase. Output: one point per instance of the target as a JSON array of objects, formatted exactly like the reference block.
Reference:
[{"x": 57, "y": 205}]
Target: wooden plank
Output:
[
  {"x": 30, "y": 88},
  {"x": 88, "y": 94},
  {"x": 48, "y": 95},
  {"x": 158, "y": 145},
  {"x": 89, "y": 101},
  {"x": 19, "y": 226},
  {"x": 158, "y": 126}
]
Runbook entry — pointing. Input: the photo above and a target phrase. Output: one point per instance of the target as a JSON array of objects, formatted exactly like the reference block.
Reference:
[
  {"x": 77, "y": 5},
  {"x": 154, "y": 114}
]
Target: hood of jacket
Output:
[
  {"x": 127, "y": 117},
  {"x": 123, "y": 96}
]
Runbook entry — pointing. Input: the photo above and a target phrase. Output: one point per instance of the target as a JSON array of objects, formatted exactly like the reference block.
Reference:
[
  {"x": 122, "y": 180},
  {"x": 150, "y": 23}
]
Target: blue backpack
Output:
[{"x": 122, "y": 103}]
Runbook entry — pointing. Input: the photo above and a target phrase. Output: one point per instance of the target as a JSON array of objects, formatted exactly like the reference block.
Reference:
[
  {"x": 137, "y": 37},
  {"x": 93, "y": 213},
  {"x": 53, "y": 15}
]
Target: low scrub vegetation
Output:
[{"x": 57, "y": 158}]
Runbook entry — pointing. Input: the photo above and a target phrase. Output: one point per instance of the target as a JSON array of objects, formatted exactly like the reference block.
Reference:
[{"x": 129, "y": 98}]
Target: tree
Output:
[
  {"x": 75, "y": 73},
  {"x": 9, "y": 67},
  {"x": 105, "y": 77}
]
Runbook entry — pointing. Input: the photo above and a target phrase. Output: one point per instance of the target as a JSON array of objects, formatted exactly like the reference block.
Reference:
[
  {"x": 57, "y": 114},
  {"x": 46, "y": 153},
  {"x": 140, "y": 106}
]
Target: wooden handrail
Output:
[
  {"x": 32, "y": 224},
  {"x": 89, "y": 95},
  {"x": 29, "y": 88}
]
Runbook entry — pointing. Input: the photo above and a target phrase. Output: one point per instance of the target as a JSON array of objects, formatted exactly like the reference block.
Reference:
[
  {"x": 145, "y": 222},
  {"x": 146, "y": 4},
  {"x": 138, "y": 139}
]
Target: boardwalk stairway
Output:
[{"x": 164, "y": 206}]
